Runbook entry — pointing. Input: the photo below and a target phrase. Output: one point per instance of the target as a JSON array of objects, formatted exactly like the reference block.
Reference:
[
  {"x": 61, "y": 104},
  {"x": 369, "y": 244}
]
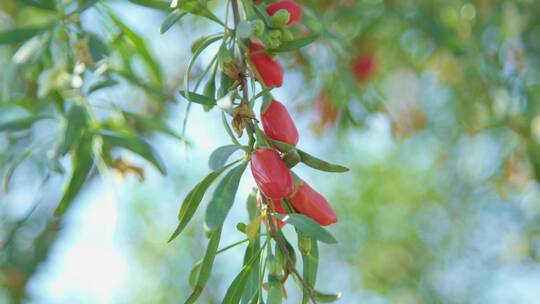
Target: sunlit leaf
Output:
[
  {"x": 219, "y": 156},
  {"x": 308, "y": 226},
  {"x": 311, "y": 160},
  {"x": 251, "y": 286},
  {"x": 170, "y": 20},
  {"x": 193, "y": 200},
  {"x": 237, "y": 287},
  {"x": 206, "y": 266},
  {"x": 275, "y": 291},
  {"x": 319, "y": 164},
  {"x": 223, "y": 197}
]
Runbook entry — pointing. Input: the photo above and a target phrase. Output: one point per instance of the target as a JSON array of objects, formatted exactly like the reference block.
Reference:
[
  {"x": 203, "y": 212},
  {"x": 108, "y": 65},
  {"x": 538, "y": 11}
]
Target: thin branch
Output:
[{"x": 290, "y": 265}]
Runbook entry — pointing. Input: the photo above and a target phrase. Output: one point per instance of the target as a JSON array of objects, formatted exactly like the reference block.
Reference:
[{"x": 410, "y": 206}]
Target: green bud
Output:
[
  {"x": 280, "y": 18},
  {"x": 304, "y": 244},
  {"x": 274, "y": 39},
  {"x": 286, "y": 35},
  {"x": 241, "y": 227},
  {"x": 258, "y": 27}
]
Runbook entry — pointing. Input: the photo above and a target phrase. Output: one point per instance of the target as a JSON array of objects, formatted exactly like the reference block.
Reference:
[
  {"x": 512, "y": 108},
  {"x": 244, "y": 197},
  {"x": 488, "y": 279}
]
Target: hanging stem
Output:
[{"x": 277, "y": 237}]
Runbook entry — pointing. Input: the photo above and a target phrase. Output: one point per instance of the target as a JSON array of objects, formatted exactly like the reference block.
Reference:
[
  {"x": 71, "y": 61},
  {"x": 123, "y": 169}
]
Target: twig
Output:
[{"x": 290, "y": 265}]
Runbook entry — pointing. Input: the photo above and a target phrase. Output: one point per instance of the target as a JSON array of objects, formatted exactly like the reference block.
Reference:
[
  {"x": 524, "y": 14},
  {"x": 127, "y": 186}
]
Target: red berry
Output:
[
  {"x": 269, "y": 69},
  {"x": 271, "y": 174},
  {"x": 364, "y": 67},
  {"x": 313, "y": 205},
  {"x": 292, "y": 7},
  {"x": 278, "y": 124}
]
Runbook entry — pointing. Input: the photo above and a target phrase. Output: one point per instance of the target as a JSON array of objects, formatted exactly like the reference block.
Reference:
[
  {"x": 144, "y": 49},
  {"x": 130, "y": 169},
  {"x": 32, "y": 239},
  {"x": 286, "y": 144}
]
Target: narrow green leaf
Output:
[
  {"x": 310, "y": 262},
  {"x": 251, "y": 285},
  {"x": 206, "y": 266},
  {"x": 82, "y": 163},
  {"x": 308, "y": 226},
  {"x": 326, "y": 297},
  {"x": 18, "y": 35},
  {"x": 194, "y": 273},
  {"x": 223, "y": 197},
  {"x": 200, "y": 49},
  {"x": 140, "y": 47},
  {"x": 311, "y": 160},
  {"x": 8, "y": 173},
  {"x": 198, "y": 98},
  {"x": 193, "y": 200},
  {"x": 275, "y": 291},
  {"x": 320, "y": 164},
  {"x": 102, "y": 84},
  {"x": 77, "y": 119},
  {"x": 219, "y": 157},
  {"x": 296, "y": 44},
  {"x": 47, "y": 5},
  {"x": 251, "y": 204},
  {"x": 136, "y": 145},
  {"x": 170, "y": 20},
  {"x": 18, "y": 124},
  {"x": 236, "y": 289},
  {"x": 147, "y": 123},
  {"x": 155, "y": 4}
]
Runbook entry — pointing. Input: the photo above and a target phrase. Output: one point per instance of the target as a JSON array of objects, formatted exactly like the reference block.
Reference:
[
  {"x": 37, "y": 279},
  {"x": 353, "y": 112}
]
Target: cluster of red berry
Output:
[{"x": 275, "y": 180}]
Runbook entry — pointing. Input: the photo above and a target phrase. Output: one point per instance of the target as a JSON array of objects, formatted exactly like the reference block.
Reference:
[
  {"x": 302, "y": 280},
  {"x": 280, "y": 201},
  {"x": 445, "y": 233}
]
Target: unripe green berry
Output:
[
  {"x": 258, "y": 27},
  {"x": 280, "y": 18}
]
